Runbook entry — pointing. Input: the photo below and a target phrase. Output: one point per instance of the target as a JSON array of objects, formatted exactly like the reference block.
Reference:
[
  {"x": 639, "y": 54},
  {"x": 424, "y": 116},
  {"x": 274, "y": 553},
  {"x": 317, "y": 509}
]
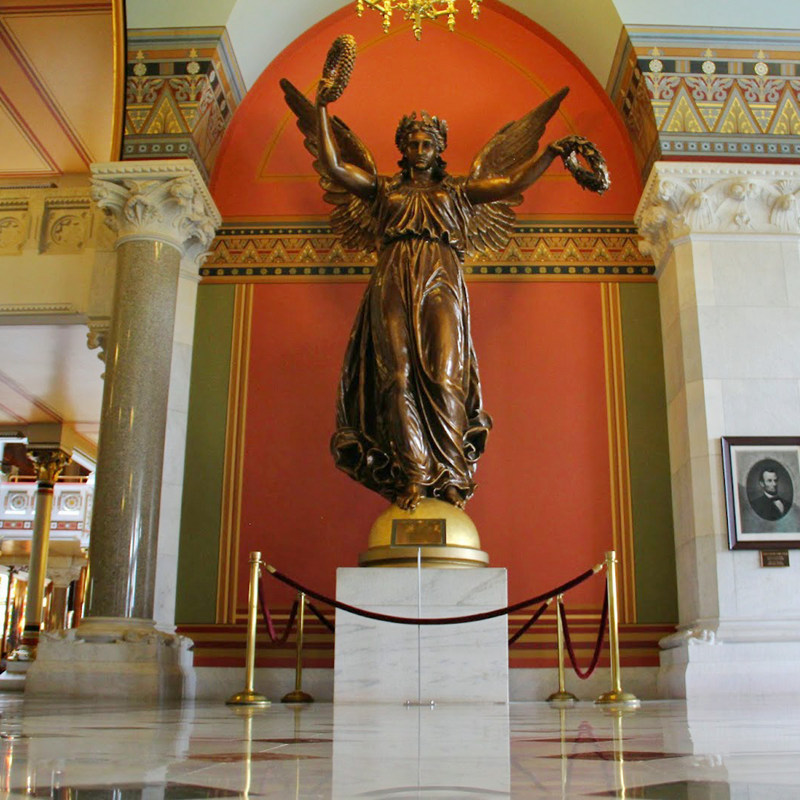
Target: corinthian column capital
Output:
[
  {"x": 683, "y": 198},
  {"x": 163, "y": 200},
  {"x": 48, "y": 462}
]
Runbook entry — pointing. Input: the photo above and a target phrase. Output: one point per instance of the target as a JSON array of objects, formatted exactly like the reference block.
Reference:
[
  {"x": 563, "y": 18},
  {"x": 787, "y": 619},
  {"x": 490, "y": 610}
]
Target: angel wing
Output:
[
  {"x": 492, "y": 223},
  {"x": 351, "y": 218}
]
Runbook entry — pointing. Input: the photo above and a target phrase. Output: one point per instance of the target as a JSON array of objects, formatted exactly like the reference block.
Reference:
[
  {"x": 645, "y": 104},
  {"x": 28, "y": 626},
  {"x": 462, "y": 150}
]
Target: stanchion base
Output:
[
  {"x": 614, "y": 698},
  {"x": 247, "y": 698},
  {"x": 297, "y": 696},
  {"x": 562, "y": 698}
]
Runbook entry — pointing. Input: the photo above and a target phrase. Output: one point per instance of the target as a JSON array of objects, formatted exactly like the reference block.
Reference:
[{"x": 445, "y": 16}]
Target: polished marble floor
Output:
[{"x": 86, "y": 751}]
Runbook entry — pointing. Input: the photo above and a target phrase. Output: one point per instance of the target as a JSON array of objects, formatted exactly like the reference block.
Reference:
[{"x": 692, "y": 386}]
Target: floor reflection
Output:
[{"x": 666, "y": 750}]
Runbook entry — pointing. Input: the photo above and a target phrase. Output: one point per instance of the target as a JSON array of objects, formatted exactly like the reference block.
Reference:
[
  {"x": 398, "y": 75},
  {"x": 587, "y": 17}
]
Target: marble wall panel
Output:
[
  {"x": 672, "y": 344},
  {"x": 704, "y": 417},
  {"x": 668, "y": 290},
  {"x": 761, "y": 408},
  {"x": 765, "y": 594},
  {"x": 790, "y": 256},
  {"x": 747, "y": 273},
  {"x": 682, "y": 504},
  {"x": 186, "y": 304},
  {"x": 740, "y": 342},
  {"x": 692, "y": 344},
  {"x": 678, "y": 429}
]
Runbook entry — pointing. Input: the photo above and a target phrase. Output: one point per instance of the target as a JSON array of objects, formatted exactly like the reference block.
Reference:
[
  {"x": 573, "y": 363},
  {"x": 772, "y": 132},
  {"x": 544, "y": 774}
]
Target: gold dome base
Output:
[{"x": 444, "y": 534}]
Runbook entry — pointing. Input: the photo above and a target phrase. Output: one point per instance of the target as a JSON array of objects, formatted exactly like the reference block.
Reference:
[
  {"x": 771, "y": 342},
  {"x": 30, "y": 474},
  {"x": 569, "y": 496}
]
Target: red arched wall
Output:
[
  {"x": 543, "y": 504},
  {"x": 478, "y": 78}
]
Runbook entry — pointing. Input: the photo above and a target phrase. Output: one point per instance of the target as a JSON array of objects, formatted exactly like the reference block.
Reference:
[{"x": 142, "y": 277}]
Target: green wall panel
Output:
[
  {"x": 205, "y": 450},
  {"x": 654, "y": 547}
]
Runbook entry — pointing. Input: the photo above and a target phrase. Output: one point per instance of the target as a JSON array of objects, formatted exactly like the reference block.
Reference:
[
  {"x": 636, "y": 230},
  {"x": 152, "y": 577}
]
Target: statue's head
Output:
[{"x": 414, "y": 129}]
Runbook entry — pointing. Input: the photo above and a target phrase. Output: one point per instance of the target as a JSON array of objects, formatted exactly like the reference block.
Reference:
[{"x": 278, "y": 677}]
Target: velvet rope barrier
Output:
[
  {"x": 583, "y": 675},
  {"x": 499, "y": 612},
  {"x": 321, "y": 617},
  {"x": 273, "y": 637},
  {"x": 538, "y": 613}
]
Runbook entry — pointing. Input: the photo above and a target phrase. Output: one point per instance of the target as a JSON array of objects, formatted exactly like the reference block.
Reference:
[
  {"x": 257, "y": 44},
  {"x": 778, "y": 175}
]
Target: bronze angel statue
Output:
[{"x": 410, "y": 421}]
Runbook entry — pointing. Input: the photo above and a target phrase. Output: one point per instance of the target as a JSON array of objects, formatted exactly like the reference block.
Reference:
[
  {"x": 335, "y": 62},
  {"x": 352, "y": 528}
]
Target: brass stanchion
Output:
[
  {"x": 249, "y": 697},
  {"x": 298, "y": 695},
  {"x": 562, "y": 696},
  {"x": 616, "y": 696}
]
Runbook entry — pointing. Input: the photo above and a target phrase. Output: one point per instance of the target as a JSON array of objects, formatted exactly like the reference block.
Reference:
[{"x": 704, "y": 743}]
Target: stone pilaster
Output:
[
  {"x": 164, "y": 219},
  {"x": 726, "y": 242}
]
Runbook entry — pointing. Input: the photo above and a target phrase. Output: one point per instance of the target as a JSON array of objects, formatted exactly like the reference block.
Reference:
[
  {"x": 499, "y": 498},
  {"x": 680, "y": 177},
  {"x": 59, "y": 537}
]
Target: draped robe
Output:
[{"x": 409, "y": 408}]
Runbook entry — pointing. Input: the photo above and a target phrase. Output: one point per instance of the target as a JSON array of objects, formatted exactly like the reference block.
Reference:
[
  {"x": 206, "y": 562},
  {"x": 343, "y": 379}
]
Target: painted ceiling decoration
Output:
[{"x": 52, "y": 124}]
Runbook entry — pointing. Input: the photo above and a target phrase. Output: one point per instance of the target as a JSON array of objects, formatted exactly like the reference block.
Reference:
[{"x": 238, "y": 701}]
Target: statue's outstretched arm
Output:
[
  {"x": 487, "y": 190},
  {"x": 348, "y": 176}
]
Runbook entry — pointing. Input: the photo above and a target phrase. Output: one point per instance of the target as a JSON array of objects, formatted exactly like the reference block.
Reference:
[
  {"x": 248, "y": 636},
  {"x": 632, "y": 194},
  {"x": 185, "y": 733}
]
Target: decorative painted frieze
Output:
[
  {"x": 535, "y": 251},
  {"x": 697, "y": 93},
  {"x": 182, "y": 88}
]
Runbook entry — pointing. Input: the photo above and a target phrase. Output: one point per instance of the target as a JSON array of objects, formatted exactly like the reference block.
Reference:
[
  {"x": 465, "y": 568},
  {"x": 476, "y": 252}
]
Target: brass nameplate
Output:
[
  {"x": 774, "y": 558},
  {"x": 418, "y": 532}
]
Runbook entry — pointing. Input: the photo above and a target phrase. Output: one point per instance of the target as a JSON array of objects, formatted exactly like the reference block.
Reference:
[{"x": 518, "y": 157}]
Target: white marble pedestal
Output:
[{"x": 383, "y": 662}]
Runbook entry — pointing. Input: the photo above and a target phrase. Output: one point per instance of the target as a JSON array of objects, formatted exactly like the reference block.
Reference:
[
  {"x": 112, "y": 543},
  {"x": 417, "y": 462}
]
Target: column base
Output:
[
  {"x": 113, "y": 659},
  {"x": 713, "y": 659}
]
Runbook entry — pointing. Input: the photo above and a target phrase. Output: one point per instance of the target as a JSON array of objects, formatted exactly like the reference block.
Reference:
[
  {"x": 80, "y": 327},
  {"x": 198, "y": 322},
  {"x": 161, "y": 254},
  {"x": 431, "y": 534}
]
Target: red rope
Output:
[
  {"x": 598, "y": 644},
  {"x": 273, "y": 637},
  {"x": 499, "y": 612},
  {"x": 321, "y": 617},
  {"x": 538, "y": 613}
]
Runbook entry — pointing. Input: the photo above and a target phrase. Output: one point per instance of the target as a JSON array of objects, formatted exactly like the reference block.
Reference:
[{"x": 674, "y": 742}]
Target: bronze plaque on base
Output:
[{"x": 416, "y": 532}]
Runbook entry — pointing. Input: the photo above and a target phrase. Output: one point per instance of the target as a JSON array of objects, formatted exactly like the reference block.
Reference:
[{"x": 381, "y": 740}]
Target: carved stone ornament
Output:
[
  {"x": 97, "y": 336},
  {"x": 161, "y": 200},
  {"x": 686, "y": 198},
  {"x": 14, "y": 226},
  {"x": 48, "y": 462}
]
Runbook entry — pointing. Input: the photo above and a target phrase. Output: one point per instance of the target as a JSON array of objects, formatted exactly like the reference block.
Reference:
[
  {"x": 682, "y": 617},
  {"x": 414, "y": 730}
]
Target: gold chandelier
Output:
[{"x": 417, "y": 10}]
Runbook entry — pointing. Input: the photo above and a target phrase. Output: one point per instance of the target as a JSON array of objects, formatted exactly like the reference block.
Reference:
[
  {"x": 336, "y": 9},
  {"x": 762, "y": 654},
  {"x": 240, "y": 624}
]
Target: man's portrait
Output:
[
  {"x": 762, "y": 477},
  {"x": 769, "y": 490}
]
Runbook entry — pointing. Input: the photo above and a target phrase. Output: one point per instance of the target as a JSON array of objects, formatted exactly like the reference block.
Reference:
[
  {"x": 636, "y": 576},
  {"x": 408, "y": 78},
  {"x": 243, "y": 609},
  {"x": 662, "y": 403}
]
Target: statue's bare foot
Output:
[
  {"x": 452, "y": 495},
  {"x": 409, "y": 498}
]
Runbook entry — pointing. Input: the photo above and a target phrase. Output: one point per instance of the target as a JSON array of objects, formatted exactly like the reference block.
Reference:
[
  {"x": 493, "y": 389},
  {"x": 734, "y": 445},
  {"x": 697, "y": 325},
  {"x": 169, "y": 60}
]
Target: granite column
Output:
[{"x": 164, "y": 219}]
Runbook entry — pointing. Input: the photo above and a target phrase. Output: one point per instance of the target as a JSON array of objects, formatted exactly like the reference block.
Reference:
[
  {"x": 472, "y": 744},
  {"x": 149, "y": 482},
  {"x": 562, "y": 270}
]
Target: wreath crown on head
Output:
[{"x": 432, "y": 126}]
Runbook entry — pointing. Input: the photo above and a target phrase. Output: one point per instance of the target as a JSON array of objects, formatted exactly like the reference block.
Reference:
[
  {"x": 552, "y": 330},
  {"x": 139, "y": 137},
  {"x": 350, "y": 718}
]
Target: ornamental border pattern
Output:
[
  {"x": 255, "y": 253},
  {"x": 182, "y": 89},
  {"x": 698, "y": 93}
]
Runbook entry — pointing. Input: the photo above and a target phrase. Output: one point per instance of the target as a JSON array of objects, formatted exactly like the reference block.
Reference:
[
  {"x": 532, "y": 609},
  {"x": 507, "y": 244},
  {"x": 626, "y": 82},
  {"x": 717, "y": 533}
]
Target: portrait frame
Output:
[{"x": 762, "y": 491}]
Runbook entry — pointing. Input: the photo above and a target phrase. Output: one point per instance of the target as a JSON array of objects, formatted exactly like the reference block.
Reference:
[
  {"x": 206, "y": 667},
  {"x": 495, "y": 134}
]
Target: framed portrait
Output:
[{"x": 762, "y": 491}]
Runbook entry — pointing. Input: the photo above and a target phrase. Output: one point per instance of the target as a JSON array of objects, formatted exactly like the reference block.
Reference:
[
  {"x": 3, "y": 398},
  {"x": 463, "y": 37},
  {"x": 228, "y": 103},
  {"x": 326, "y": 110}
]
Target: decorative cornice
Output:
[
  {"x": 165, "y": 200},
  {"x": 37, "y": 308},
  {"x": 683, "y": 198}
]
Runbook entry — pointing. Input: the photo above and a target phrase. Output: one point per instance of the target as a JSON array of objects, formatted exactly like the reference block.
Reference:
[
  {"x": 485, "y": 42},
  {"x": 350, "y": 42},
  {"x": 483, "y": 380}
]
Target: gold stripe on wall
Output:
[
  {"x": 619, "y": 464},
  {"x": 234, "y": 455}
]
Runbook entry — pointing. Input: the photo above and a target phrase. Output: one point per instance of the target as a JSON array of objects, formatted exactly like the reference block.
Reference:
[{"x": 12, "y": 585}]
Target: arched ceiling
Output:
[{"x": 260, "y": 29}]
